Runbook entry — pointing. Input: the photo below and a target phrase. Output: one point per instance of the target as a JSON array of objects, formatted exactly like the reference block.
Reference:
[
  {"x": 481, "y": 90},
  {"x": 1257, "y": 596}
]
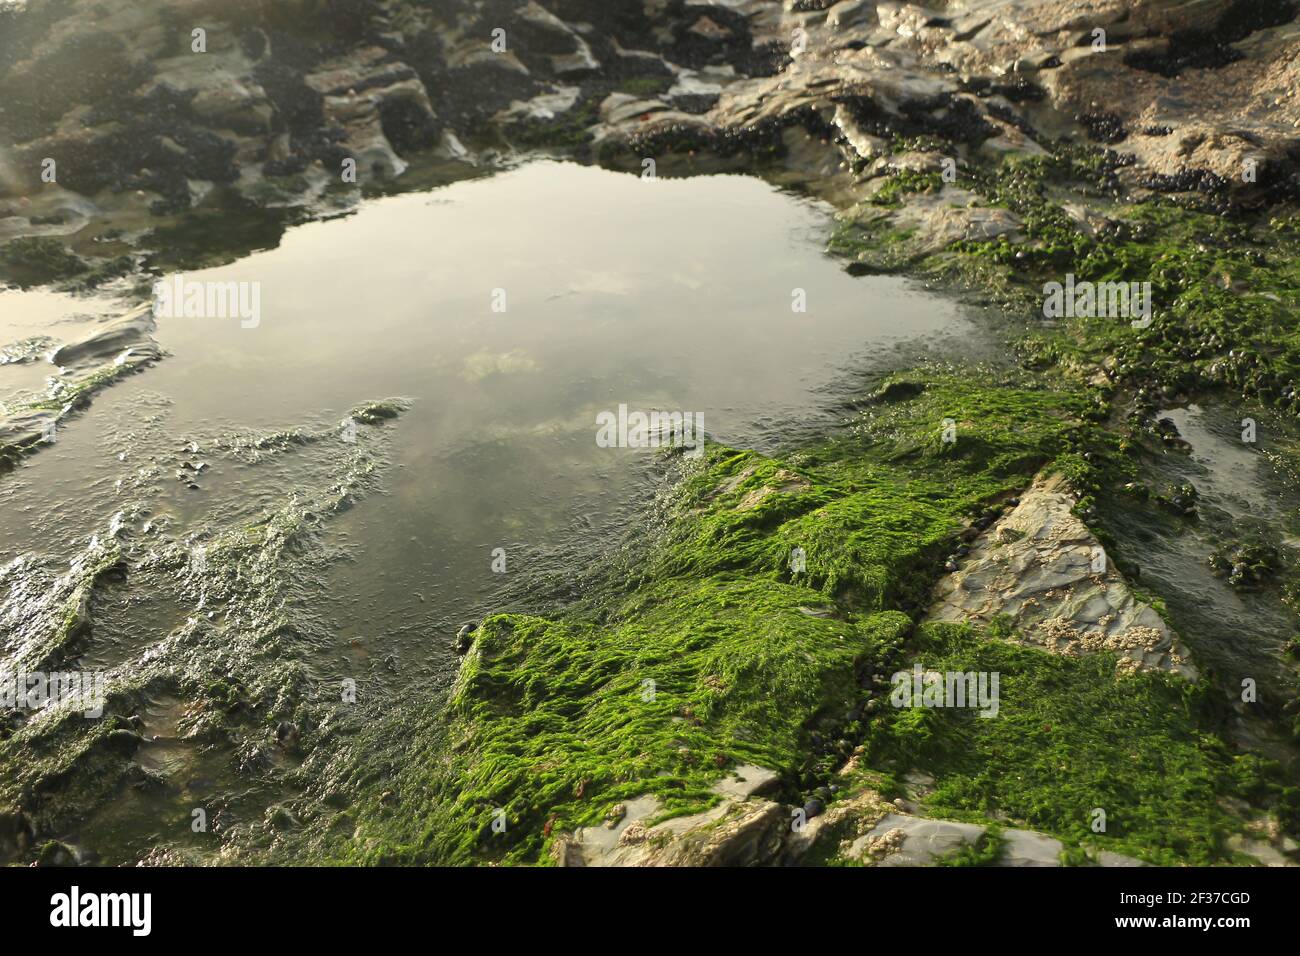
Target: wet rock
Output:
[
  {"x": 615, "y": 815},
  {"x": 1028, "y": 848},
  {"x": 951, "y": 215},
  {"x": 851, "y": 13},
  {"x": 375, "y": 413},
  {"x": 55, "y": 853},
  {"x": 865, "y": 830},
  {"x": 125, "y": 340},
  {"x": 566, "y": 852},
  {"x": 1263, "y": 851},
  {"x": 280, "y": 818},
  {"x": 16, "y": 834},
  {"x": 1182, "y": 500},
  {"x": 287, "y": 734},
  {"x": 742, "y": 830},
  {"x": 545, "y": 35},
  {"x": 747, "y": 781},
  {"x": 1245, "y": 564},
  {"x": 904, "y": 840},
  {"x": 380, "y": 105},
  {"x": 1107, "y": 858},
  {"x": 23, "y": 431},
  {"x": 1042, "y": 569},
  {"x": 464, "y": 639}
]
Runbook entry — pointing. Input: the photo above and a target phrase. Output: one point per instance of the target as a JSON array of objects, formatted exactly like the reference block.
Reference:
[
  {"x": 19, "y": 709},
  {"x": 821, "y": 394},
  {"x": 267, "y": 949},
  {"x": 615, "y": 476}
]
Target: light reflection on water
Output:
[{"x": 667, "y": 294}]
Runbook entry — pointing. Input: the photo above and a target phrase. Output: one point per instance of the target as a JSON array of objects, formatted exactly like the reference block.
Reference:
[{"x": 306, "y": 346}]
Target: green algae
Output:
[
  {"x": 1073, "y": 735},
  {"x": 903, "y": 182},
  {"x": 35, "y": 260},
  {"x": 571, "y": 131},
  {"x": 983, "y": 852},
  {"x": 56, "y": 767},
  {"x": 711, "y": 647},
  {"x": 77, "y": 392},
  {"x": 1225, "y": 289},
  {"x": 373, "y": 413}
]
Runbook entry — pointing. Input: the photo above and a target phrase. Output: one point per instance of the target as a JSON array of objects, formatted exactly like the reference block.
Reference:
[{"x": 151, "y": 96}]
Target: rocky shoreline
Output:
[
  {"x": 914, "y": 120},
  {"x": 990, "y": 145}
]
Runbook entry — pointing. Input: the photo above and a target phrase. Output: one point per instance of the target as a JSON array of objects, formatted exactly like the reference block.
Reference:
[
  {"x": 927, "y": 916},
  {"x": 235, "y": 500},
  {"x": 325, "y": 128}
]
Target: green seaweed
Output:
[
  {"x": 754, "y": 658},
  {"x": 1072, "y": 735},
  {"x": 35, "y": 260}
]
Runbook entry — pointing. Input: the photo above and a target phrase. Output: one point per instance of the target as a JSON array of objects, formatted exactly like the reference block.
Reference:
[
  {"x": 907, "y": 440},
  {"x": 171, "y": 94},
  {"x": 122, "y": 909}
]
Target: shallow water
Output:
[
  {"x": 1237, "y": 633},
  {"x": 609, "y": 299}
]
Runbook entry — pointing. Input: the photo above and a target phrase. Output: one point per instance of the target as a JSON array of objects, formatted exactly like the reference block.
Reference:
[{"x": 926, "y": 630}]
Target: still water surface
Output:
[{"x": 674, "y": 295}]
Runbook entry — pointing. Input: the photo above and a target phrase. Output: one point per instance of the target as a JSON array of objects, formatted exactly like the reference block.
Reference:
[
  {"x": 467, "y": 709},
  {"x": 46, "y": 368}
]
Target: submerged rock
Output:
[
  {"x": 127, "y": 340},
  {"x": 100, "y": 357}
]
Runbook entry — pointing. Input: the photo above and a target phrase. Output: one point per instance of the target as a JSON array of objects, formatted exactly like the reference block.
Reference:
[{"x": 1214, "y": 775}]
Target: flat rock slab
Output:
[
  {"x": 941, "y": 218},
  {"x": 1040, "y": 566},
  {"x": 903, "y": 840},
  {"x": 747, "y": 829},
  {"x": 746, "y": 781},
  {"x": 742, "y": 830},
  {"x": 1028, "y": 848},
  {"x": 125, "y": 342}
]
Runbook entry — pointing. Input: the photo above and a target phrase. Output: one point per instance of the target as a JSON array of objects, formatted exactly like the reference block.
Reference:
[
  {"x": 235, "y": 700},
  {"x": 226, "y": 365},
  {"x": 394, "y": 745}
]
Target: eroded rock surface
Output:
[
  {"x": 141, "y": 124},
  {"x": 749, "y": 828},
  {"x": 1040, "y": 567},
  {"x": 742, "y": 830}
]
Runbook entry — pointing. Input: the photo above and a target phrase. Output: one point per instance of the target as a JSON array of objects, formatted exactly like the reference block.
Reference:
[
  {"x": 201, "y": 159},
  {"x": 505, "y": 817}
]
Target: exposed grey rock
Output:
[
  {"x": 101, "y": 355},
  {"x": 24, "y": 430},
  {"x": 619, "y": 108},
  {"x": 931, "y": 221},
  {"x": 747, "y": 829},
  {"x": 1028, "y": 848},
  {"x": 904, "y": 840},
  {"x": 1107, "y": 858},
  {"x": 1264, "y": 852},
  {"x": 366, "y": 92},
  {"x": 741, "y": 830},
  {"x": 1041, "y": 567},
  {"x": 126, "y": 339},
  {"x": 143, "y": 127},
  {"x": 747, "y": 781}
]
